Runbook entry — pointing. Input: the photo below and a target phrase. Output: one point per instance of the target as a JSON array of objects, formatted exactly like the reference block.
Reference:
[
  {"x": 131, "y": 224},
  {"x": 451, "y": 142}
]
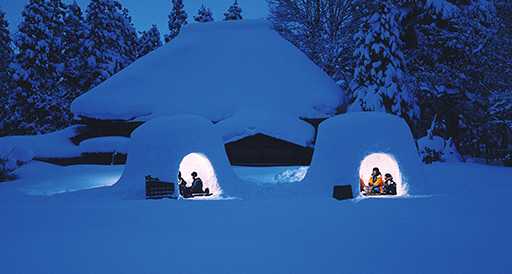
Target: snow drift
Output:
[
  {"x": 222, "y": 71},
  {"x": 344, "y": 142}
]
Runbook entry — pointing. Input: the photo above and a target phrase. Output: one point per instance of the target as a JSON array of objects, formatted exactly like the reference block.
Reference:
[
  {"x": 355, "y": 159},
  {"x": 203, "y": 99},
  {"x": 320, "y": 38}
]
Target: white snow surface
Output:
[
  {"x": 460, "y": 230},
  {"x": 229, "y": 72},
  {"x": 47, "y": 179}
]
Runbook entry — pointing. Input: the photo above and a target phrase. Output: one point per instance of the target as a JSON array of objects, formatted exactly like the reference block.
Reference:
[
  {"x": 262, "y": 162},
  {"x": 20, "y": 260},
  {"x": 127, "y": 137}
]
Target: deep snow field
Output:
[{"x": 464, "y": 229}]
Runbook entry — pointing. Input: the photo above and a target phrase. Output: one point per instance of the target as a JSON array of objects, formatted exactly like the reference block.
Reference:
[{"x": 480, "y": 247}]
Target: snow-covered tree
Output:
[
  {"x": 177, "y": 18},
  {"x": 73, "y": 36},
  {"x": 461, "y": 62},
  {"x": 6, "y": 54},
  {"x": 377, "y": 83},
  {"x": 149, "y": 41},
  {"x": 110, "y": 42},
  {"x": 234, "y": 12},
  {"x": 431, "y": 147},
  {"x": 5, "y": 49},
  {"x": 38, "y": 102},
  {"x": 322, "y": 29},
  {"x": 204, "y": 15}
]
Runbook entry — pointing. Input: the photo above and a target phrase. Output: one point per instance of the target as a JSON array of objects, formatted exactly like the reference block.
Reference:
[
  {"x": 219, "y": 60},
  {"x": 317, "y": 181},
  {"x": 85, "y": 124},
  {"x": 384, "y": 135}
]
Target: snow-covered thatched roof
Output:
[{"x": 241, "y": 74}]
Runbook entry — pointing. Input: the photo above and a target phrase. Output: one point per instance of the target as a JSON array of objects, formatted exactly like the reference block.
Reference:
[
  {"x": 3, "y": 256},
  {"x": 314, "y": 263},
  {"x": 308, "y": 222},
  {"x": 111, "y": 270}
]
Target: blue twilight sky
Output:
[{"x": 146, "y": 13}]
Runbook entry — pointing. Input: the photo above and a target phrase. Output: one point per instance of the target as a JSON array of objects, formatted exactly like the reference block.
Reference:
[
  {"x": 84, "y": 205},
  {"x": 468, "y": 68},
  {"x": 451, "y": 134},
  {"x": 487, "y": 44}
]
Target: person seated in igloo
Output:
[
  {"x": 375, "y": 183},
  {"x": 184, "y": 190},
  {"x": 197, "y": 184},
  {"x": 378, "y": 186},
  {"x": 195, "y": 190},
  {"x": 389, "y": 187}
]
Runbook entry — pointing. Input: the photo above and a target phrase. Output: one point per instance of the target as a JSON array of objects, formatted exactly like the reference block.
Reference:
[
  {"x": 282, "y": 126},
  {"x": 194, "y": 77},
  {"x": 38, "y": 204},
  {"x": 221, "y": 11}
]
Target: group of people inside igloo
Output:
[
  {"x": 196, "y": 189},
  {"x": 376, "y": 185}
]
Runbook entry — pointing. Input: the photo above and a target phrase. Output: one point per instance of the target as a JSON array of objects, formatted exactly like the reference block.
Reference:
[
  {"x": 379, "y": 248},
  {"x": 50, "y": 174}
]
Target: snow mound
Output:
[
  {"x": 159, "y": 147},
  {"x": 17, "y": 156},
  {"x": 435, "y": 143},
  {"x": 58, "y": 144},
  {"x": 220, "y": 71},
  {"x": 344, "y": 142},
  {"x": 52, "y": 180},
  {"x": 105, "y": 144},
  {"x": 52, "y": 145}
]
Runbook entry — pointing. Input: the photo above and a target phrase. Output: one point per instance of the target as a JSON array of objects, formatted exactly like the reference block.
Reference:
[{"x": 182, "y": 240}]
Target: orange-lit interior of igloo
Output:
[{"x": 386, "y": 164}]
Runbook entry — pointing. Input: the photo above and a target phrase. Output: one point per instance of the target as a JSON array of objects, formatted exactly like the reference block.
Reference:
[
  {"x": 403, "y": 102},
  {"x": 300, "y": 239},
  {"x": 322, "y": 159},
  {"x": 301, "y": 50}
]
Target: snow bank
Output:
[
  {"x": 105, "y": 144},
  {"x": 221, "y": 71},
  {"x": 52, "y": 145},
  {"x": 52, "y": 179},
  {"x": 59, "y": 145},
  {"x": 345, "y": 141},
  {"x": 436, "y": 143},
  {"x": 159, "y": 146}
]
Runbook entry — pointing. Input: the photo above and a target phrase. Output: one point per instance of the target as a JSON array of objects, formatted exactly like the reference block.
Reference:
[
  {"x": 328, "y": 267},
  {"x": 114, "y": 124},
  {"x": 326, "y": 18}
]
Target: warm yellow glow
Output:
[
  {"x": 199, "y": 163},
  {"x": 386, "y": 164}
]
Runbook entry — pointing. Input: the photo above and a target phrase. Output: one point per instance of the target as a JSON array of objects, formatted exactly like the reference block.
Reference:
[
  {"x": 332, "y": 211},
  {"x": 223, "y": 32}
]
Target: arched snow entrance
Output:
[
  {"x": 386, "y": 164},
  {"x": 199, "y": 163}
]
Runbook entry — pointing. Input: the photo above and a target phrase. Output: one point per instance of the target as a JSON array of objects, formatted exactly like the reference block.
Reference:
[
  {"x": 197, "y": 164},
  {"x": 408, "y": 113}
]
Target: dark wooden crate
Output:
[
  {"x": 342, "y": 192},
  {"x": 159, "y": 189}
]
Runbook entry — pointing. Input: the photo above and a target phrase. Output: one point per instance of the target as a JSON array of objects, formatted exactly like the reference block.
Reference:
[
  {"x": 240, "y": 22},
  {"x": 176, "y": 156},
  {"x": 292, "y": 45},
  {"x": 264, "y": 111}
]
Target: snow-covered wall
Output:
[
  {"x": 158, "y": 147},
  {"x": 344, "y": 142},
  {"x": 229, "y": 72}
]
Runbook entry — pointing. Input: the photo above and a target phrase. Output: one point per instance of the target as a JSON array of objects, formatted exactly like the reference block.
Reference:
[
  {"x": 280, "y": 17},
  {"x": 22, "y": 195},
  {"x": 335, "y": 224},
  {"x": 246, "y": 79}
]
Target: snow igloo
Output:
[
  {"x": 350, "y": 145},
  {"x": 166, "y": 145}
]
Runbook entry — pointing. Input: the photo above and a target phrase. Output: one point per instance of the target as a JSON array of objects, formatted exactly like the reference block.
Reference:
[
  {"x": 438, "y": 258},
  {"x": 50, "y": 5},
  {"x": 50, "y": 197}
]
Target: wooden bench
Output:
[{"x": 156, "y": 189}]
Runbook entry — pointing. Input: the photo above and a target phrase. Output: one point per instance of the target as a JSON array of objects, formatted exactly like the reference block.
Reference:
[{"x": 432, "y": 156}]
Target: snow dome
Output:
[
  {"x": 234, "y": 73},
  {"x": 350, "y": 145},
  {"x": 163, "y": 146}
]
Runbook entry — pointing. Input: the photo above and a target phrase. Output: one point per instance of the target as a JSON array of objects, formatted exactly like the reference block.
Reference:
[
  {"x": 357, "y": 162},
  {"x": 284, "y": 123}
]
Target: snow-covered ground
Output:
[{"x": 464, "y": 229}]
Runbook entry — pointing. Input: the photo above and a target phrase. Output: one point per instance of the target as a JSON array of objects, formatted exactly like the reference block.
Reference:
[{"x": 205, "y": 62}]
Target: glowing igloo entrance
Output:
[
  {"x": 386, "y": 164},
  {"x": 199, "y": 163}
]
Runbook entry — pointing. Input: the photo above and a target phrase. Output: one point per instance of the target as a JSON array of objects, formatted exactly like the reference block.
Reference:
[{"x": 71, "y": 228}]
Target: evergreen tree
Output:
[
  {"x": 130, "y": 39},
  {"x": 5, "y": 49},
  {"x": 5, "y": 60},
  {"x": 234, "y": 12},
  {"x": 73, "y": 37},
  {"x": 149, "y": 41},
  {"x": 177, "y": 18},
  {"x": 377, "y": 83},
  {"x": 38, "y": 103},
  {"x": 461, "y": 66},
  {"x": 204, "y": 15},
  {"x": 110, "y": 42}
]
